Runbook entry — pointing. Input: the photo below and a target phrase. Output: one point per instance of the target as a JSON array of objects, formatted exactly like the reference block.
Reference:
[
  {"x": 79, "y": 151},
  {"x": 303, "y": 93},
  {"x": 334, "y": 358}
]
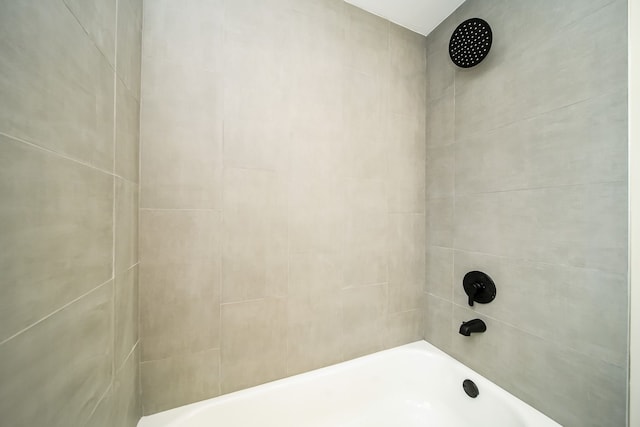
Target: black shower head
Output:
[{"x": 470, "y": 42}]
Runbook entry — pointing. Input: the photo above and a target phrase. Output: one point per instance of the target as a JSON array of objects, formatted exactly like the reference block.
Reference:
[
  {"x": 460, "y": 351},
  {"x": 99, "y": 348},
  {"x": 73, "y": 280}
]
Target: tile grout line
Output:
[
  {"x": 250, "y": 300},
  {"x": 548, "y": 187},
  {"x": 221, "y": 172},
  {"x": 529, "y": 261},
  {"x": 114, "y": 220},
  {"x": 89, "y": 37},
  {"x": 109, "y": 389},
  {"x": 20, "y": 332},
  {"x": 524, "y": 189},
  {"x": 180, "y": 210},
  {"x": 128, "y": 356},
  {"x": 534, "y": 116},
  {"x": 179, "y": 355},
  {"x": 389, "y": 213},
  {"x": 55, "y": 153},
  {"x": 140, "y": 407},
  {"x": 427, "y": 144}
]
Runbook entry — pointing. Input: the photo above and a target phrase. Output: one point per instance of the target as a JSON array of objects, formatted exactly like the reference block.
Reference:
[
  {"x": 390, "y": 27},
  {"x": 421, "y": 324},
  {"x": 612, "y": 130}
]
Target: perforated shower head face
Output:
[{"x": 470, "y": 42}]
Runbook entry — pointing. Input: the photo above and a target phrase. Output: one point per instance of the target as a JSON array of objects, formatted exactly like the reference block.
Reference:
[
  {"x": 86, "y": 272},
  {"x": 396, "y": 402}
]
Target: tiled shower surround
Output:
[
  {"x": 283, "y": 196},
  {"x": 282, "y": 191},
  {"x": 315, "y": 182},
  {"x": 527, "y": 181},
  {"x": 69, "y": 125}
]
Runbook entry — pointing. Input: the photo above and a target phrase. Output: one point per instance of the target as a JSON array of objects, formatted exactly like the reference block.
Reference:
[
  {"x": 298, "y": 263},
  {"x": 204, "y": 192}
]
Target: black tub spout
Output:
[{"x": 472, "y": 326}]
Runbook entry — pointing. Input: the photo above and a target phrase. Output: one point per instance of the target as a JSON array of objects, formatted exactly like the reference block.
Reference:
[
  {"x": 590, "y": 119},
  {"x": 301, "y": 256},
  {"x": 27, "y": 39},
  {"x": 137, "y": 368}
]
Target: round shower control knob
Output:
[{"x": 479, "y": 287}]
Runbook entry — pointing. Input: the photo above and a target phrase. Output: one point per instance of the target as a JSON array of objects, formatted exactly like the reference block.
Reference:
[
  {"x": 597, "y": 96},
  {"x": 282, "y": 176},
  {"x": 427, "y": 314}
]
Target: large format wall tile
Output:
[
  {"x": 257, "y": 144},
  {"x": 317, "y": 215},
  {"x": 367, "y": 41},
  {"x": 440, "y": 77},
  {"x": 248, "y": 95},
  {"x": 58, "y": 91},
  {"x": 254, "y": 253},
  {"x": 312, "y": 274},
  {"x": 582, "y": 225},
  {"x": 179, "y": 282},
  {"x": 580, "y": 144},
  {"x": 365, "y": 147},
  {"x": 317, "y": 30},
  {"x": 367, "y": 233},
  {"x": 312, "y": 320},
  {"x": 405, "y": 327},
  {"x": 439, "y": 325},
  {"x": 439, "y": 272},
  {"x": 315, "y": 86},
  {"x": 250, "y": 328},
  {"x": 440, "y": 222},
  {"x": 317, "y": 96},
  {"x": 363, "y": 319},
  {"x": 405, "y": 154},
  {"x": 440, "y": 120},
  {"x": 187, "y": 32},
  {"x": 265, "y": 23},
  {"x": 408, "y": 136},
  {"x": 408, "y": 88},
  {"x": 406, "y": 261},
  {"x": 318, "y": 154},
  {"x": 54, "y": 211},
  {"x": 440, "y": 176},
  {"x": 179, "y": 380},
  {"x": 364, "y": 107},
  {"x": 62, "y": 365},
  {"x": 181, "y": 128}
]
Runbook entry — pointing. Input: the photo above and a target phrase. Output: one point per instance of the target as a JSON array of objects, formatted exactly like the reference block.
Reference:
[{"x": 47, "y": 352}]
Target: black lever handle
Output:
[
  {"x": 479, "y": 287},
  {"x": 475, "y": 289}
]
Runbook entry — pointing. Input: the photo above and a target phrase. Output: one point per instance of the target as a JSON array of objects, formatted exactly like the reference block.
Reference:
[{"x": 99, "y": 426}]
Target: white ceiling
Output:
[{"x": 421, "y": 16}]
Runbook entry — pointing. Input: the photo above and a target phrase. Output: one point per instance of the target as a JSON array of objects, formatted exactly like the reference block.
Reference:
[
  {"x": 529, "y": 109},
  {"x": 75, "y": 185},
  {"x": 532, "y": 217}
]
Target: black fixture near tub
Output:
[
  {"x": 479, "y": 287},
  {"x": 472, "y": 327},
  {"x": 470, "y": 388}
]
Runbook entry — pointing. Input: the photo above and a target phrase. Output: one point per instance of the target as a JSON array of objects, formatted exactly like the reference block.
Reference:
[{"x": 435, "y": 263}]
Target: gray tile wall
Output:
[
  {"x": 526, "y": 180},
  {"x": 69, "y": 85},
  {"x": 282, "y": 191}
]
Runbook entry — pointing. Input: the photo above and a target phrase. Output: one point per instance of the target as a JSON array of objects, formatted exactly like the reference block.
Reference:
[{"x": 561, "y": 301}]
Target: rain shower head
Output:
[{"x": 470, "y": 43}]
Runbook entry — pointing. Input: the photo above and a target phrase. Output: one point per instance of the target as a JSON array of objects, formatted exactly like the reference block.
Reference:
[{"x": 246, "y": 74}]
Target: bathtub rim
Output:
[{"x": 175, "y": 416}]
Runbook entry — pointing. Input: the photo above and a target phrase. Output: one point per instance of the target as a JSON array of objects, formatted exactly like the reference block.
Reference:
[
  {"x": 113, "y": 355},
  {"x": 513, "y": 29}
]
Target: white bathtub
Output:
[{"x": 409, "y": 386}]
